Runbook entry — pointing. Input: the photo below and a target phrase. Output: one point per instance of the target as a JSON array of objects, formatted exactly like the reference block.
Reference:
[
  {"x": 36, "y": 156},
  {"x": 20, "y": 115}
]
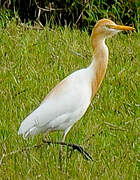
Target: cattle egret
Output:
[{"x": 69, "y": 100}]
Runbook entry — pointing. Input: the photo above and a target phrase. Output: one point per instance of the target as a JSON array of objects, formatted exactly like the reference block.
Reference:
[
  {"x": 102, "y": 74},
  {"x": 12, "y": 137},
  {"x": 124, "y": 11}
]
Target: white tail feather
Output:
[{"x": 28, "y": 127}]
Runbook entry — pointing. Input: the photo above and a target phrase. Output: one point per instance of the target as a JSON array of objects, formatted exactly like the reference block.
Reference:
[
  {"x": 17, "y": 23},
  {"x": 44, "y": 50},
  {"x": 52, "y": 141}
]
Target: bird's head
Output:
[{"x": 105, "y": 28}]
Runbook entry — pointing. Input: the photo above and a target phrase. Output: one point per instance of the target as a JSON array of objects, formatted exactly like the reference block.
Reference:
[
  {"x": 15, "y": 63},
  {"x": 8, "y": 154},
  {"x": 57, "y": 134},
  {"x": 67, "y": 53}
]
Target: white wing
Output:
[{"x": 63, "y": 106}]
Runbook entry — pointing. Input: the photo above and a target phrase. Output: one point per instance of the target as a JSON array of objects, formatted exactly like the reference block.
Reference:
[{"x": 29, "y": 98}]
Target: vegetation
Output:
[
  {"x": 32, "y": 62},
  {"x": 78, "y": 13}
]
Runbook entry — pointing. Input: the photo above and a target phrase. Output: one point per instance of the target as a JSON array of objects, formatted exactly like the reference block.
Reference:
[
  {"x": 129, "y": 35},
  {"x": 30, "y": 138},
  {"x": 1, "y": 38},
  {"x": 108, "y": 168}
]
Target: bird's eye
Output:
[{"x": 108, "y": 26}]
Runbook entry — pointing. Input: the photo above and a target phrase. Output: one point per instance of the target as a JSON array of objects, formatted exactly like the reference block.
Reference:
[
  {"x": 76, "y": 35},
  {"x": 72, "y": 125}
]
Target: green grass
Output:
[{"x": 31, "y": 64}]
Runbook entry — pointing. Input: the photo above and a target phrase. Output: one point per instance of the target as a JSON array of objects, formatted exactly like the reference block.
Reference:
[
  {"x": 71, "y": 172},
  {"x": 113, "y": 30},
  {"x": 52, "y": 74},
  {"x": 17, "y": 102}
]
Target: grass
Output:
[{"x": 32, "y": 62}]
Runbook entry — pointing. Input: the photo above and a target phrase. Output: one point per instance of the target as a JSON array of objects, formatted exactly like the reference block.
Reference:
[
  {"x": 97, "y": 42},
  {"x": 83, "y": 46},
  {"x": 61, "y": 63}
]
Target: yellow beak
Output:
[{"x": 122, "y": 28}]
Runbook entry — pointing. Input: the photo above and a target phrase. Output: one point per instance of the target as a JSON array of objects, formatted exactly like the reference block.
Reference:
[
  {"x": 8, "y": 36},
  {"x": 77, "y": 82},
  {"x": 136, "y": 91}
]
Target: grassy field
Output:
[{"x": 32, "y": 62}]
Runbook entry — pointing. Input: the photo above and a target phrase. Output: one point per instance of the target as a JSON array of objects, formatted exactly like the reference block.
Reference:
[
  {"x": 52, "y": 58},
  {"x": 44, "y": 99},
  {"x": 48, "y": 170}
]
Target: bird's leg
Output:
[
  {"x": 60, "y": 151},
  {"x": 63, "y": 140}
]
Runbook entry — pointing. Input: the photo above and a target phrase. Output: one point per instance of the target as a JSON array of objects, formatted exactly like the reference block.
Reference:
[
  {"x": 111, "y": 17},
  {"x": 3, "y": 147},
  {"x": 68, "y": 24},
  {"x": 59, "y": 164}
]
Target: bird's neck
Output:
[{"x": 99, "y": 64}]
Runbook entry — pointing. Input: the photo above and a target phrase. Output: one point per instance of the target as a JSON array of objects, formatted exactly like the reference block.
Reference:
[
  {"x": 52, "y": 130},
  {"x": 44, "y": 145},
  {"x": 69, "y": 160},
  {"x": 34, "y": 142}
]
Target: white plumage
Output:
[
  {"x": 66, "y": 104},
  {"x": 69, "y": 100}
]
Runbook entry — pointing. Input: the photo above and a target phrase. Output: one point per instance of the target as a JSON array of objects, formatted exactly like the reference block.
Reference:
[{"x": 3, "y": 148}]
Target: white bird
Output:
[{"x": 69, "y": 100}]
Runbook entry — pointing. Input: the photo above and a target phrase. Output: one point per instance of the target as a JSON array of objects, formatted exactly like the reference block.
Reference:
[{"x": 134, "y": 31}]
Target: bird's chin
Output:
[{"x": 112, "y": 33}]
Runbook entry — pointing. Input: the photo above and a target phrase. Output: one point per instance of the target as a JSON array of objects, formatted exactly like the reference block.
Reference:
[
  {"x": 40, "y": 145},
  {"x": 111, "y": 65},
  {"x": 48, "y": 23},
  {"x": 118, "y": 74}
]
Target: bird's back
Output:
[{"x": 62, "y": 107}]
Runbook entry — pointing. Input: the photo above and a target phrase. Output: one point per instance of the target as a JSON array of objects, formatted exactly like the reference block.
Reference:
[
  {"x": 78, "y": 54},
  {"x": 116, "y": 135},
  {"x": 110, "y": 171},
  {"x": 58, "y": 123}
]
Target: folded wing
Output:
[{"x": 63, "y": 106}]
